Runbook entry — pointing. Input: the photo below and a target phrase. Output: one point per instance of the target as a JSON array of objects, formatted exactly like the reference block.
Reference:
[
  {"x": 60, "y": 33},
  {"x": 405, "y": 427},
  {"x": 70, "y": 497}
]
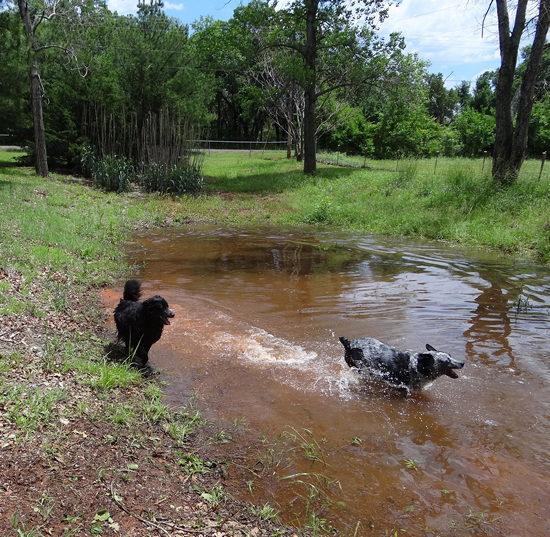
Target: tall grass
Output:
[{"x": 453, "y": 201}]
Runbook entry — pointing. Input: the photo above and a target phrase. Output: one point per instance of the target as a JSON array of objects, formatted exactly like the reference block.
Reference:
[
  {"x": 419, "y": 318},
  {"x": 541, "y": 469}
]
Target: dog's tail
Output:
[
  {"x": 345, "y": 342},
  {"x": 132, "y": 290}
]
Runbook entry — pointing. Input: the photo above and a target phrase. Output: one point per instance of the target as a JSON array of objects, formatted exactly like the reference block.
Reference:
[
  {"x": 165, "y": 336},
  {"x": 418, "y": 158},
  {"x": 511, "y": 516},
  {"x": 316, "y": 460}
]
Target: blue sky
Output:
[{"x": 447, "y": 33}]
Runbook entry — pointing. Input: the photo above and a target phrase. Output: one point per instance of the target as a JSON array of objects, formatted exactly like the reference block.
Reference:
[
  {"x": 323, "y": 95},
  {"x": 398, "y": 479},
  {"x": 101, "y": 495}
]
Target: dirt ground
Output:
[{"x": 79, "y": 474}]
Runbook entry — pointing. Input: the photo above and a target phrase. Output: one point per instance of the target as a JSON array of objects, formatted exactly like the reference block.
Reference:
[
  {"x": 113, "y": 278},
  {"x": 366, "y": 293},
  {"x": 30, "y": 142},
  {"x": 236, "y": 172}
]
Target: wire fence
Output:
[{"x": 239, "y": 145}]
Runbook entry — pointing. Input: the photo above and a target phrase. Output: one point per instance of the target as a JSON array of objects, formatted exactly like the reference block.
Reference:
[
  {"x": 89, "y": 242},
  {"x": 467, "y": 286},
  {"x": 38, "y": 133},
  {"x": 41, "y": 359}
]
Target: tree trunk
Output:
[
  {"x": 41, "y": 161},
  {"x": 527, "y": 90},
  {"x": 310, "y": 92},
  {"x": 40, "y": 154},
  {"x": 511, "y": 142}
]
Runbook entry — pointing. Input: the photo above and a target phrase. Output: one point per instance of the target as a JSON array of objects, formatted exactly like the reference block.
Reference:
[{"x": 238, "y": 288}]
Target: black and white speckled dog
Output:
[{"x": 402, "y": 369}]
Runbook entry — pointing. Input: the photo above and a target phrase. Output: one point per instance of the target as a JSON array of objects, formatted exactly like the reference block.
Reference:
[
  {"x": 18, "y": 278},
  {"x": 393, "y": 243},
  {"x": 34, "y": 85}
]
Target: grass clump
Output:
[{"x": 173, "y": 180}]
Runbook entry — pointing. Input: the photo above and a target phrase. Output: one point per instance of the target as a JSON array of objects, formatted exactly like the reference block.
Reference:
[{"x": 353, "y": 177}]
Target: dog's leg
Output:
[{"x": 141, "y": 357}]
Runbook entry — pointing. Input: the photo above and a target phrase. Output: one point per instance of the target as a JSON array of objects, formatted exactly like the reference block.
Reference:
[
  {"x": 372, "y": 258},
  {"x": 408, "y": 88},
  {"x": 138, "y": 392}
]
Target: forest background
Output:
[{"x": 114, "y": 83}]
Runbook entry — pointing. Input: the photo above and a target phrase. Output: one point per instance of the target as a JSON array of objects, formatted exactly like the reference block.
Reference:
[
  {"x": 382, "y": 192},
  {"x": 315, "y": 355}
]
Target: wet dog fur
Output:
[
  {"x": 402, "y": 369},
  {"x": 140, "y": 324}
]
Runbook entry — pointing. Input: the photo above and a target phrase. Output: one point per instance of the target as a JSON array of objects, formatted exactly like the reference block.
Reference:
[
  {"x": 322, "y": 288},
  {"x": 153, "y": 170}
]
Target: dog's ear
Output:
[
  {"x": 430, "y": 348},
  {"x": 425, "y": 364},
  {"x": 354, "y": 357}
]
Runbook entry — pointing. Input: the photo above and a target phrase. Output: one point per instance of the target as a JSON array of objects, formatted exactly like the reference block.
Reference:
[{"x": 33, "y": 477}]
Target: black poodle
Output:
[{"x": 140, "y": 324}]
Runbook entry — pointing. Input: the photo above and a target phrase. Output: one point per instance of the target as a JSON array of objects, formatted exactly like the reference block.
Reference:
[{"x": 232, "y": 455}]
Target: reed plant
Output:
[{"x": 173, "y": 180}]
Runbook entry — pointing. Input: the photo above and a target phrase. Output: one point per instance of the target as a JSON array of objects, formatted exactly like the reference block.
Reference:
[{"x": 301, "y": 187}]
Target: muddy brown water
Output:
[{"x": 254, "y": 345}]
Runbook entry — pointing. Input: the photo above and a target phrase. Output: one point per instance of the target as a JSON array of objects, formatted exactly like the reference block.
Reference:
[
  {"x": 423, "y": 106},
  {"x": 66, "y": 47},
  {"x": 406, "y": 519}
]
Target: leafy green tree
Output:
[
  {"x": 542, "y": 81},
  {"x": 227, "y": 52},
  {"x": 483, "y": 99},
  {"x": 351, "y": 136},
  {"x": 476, "y": 130},
  {"x": 35, "y": 15},
  {"x": 14, "y": 87},
  {"x": 442, "y": 103},
  {"x": 539, "y": 130},
  {"x": 463, "y": 94},
  {"x": 321, "y": 34},
  {"x": 406, "y": 129}
]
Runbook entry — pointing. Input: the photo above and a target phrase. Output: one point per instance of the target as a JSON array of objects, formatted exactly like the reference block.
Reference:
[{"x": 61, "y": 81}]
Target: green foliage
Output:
[
  {"x": 14, "y": 67},
  {"x": 351, "y": 136},
  {"x": 112, "y": 173},
  {"x": 441, "y": 101},
  {"x": 176, "y": 179},
  {"x": 405, "y": 129},
  {"x": 476, "y": 131},
  {"x": 539, "y": 131},
  {"x": 483, "y": 100}
]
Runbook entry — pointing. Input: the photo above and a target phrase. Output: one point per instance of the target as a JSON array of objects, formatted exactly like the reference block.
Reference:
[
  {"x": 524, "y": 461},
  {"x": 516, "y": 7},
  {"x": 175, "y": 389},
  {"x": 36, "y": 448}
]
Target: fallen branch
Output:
[{"x": 148, "y": 522}]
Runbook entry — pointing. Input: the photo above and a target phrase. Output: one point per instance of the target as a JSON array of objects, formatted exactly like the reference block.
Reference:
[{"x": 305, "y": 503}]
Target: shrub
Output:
[
  {"x": 175, "y": 179},
  {"x": 113, "y": 173},
  {"x": 476, "y": 131},
  {"x": 88, "y": 160}
]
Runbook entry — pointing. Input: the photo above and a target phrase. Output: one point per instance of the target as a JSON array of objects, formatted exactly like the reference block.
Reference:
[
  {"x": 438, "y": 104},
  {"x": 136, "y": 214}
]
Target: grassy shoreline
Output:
[
  {"x": 88, "y": 445},
  {"x": 449, "y": 199}
]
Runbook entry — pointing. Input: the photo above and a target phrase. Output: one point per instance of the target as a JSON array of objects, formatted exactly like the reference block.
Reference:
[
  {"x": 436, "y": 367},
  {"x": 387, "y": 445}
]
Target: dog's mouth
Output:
[
  {"x": 450, "y": 372},
  {"x": 164, "y": 318}
]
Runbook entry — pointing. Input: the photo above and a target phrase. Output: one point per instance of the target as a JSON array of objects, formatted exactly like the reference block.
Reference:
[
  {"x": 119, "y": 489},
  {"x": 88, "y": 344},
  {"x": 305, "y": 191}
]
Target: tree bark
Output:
[
  {"x": 310, "y": 92},
  {"x": 40, "y": 154},
  {"x": 41, "y": 159},
  {"x": 511, "y": 141},
  {"x": 527, "y": 91}
]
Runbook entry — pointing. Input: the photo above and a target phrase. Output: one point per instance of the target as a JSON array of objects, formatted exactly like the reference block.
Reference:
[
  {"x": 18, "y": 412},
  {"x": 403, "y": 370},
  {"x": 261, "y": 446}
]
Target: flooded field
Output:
[{"x": 254, "y": 345}]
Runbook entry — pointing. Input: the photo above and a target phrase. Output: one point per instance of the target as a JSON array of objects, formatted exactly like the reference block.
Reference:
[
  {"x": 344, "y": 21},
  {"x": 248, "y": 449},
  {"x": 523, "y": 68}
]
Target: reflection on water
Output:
[{"x": 256, "y": 336}]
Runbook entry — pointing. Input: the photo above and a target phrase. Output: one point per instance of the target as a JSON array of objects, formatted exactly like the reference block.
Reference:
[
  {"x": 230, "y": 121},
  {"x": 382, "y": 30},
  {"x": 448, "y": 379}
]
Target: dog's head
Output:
[
  {"x": 353, "y": 355},
  {"x": 434, "y": 364},
  {"x": 158, "y": 308}
]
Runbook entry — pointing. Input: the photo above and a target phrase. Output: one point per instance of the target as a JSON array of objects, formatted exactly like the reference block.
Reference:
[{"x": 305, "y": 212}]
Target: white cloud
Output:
[
  {"x": 450, "y": 34},
  {"x": 126, "y": 7},
  {"x": 123, "y": 7},
  {"x": 175, "y": 7}
]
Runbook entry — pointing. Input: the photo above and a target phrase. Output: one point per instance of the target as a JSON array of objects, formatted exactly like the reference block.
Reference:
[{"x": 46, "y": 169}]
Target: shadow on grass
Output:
[
  {"x": 117, "y": 353},
  {"x": 273, "y": 183}
]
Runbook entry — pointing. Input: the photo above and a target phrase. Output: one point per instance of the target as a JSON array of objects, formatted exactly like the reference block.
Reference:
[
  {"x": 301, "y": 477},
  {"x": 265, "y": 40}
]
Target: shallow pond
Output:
[{"x": 255, "y": 344}]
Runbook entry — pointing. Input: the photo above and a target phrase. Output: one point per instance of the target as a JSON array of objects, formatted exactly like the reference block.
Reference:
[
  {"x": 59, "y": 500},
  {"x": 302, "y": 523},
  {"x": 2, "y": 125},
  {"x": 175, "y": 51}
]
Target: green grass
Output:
[
  {"x": 61, "y": 237},
  {"x": 453, "y": 201}
]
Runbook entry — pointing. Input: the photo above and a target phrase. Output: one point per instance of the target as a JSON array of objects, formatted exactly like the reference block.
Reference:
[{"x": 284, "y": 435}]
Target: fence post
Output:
[
  {"x": 542, "y": 164},
  {"x": 436, "y": 157},
  {"x": 483, "y": 165}
]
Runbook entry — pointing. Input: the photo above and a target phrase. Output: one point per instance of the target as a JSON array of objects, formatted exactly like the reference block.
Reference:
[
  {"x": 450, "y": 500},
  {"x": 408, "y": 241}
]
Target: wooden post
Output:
[
  {"x": 542, "y": 164},
  {"x": 288, "y": 146},
  {"x": 436, "y": 157},
  {"x": 483, "y": 165}
]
